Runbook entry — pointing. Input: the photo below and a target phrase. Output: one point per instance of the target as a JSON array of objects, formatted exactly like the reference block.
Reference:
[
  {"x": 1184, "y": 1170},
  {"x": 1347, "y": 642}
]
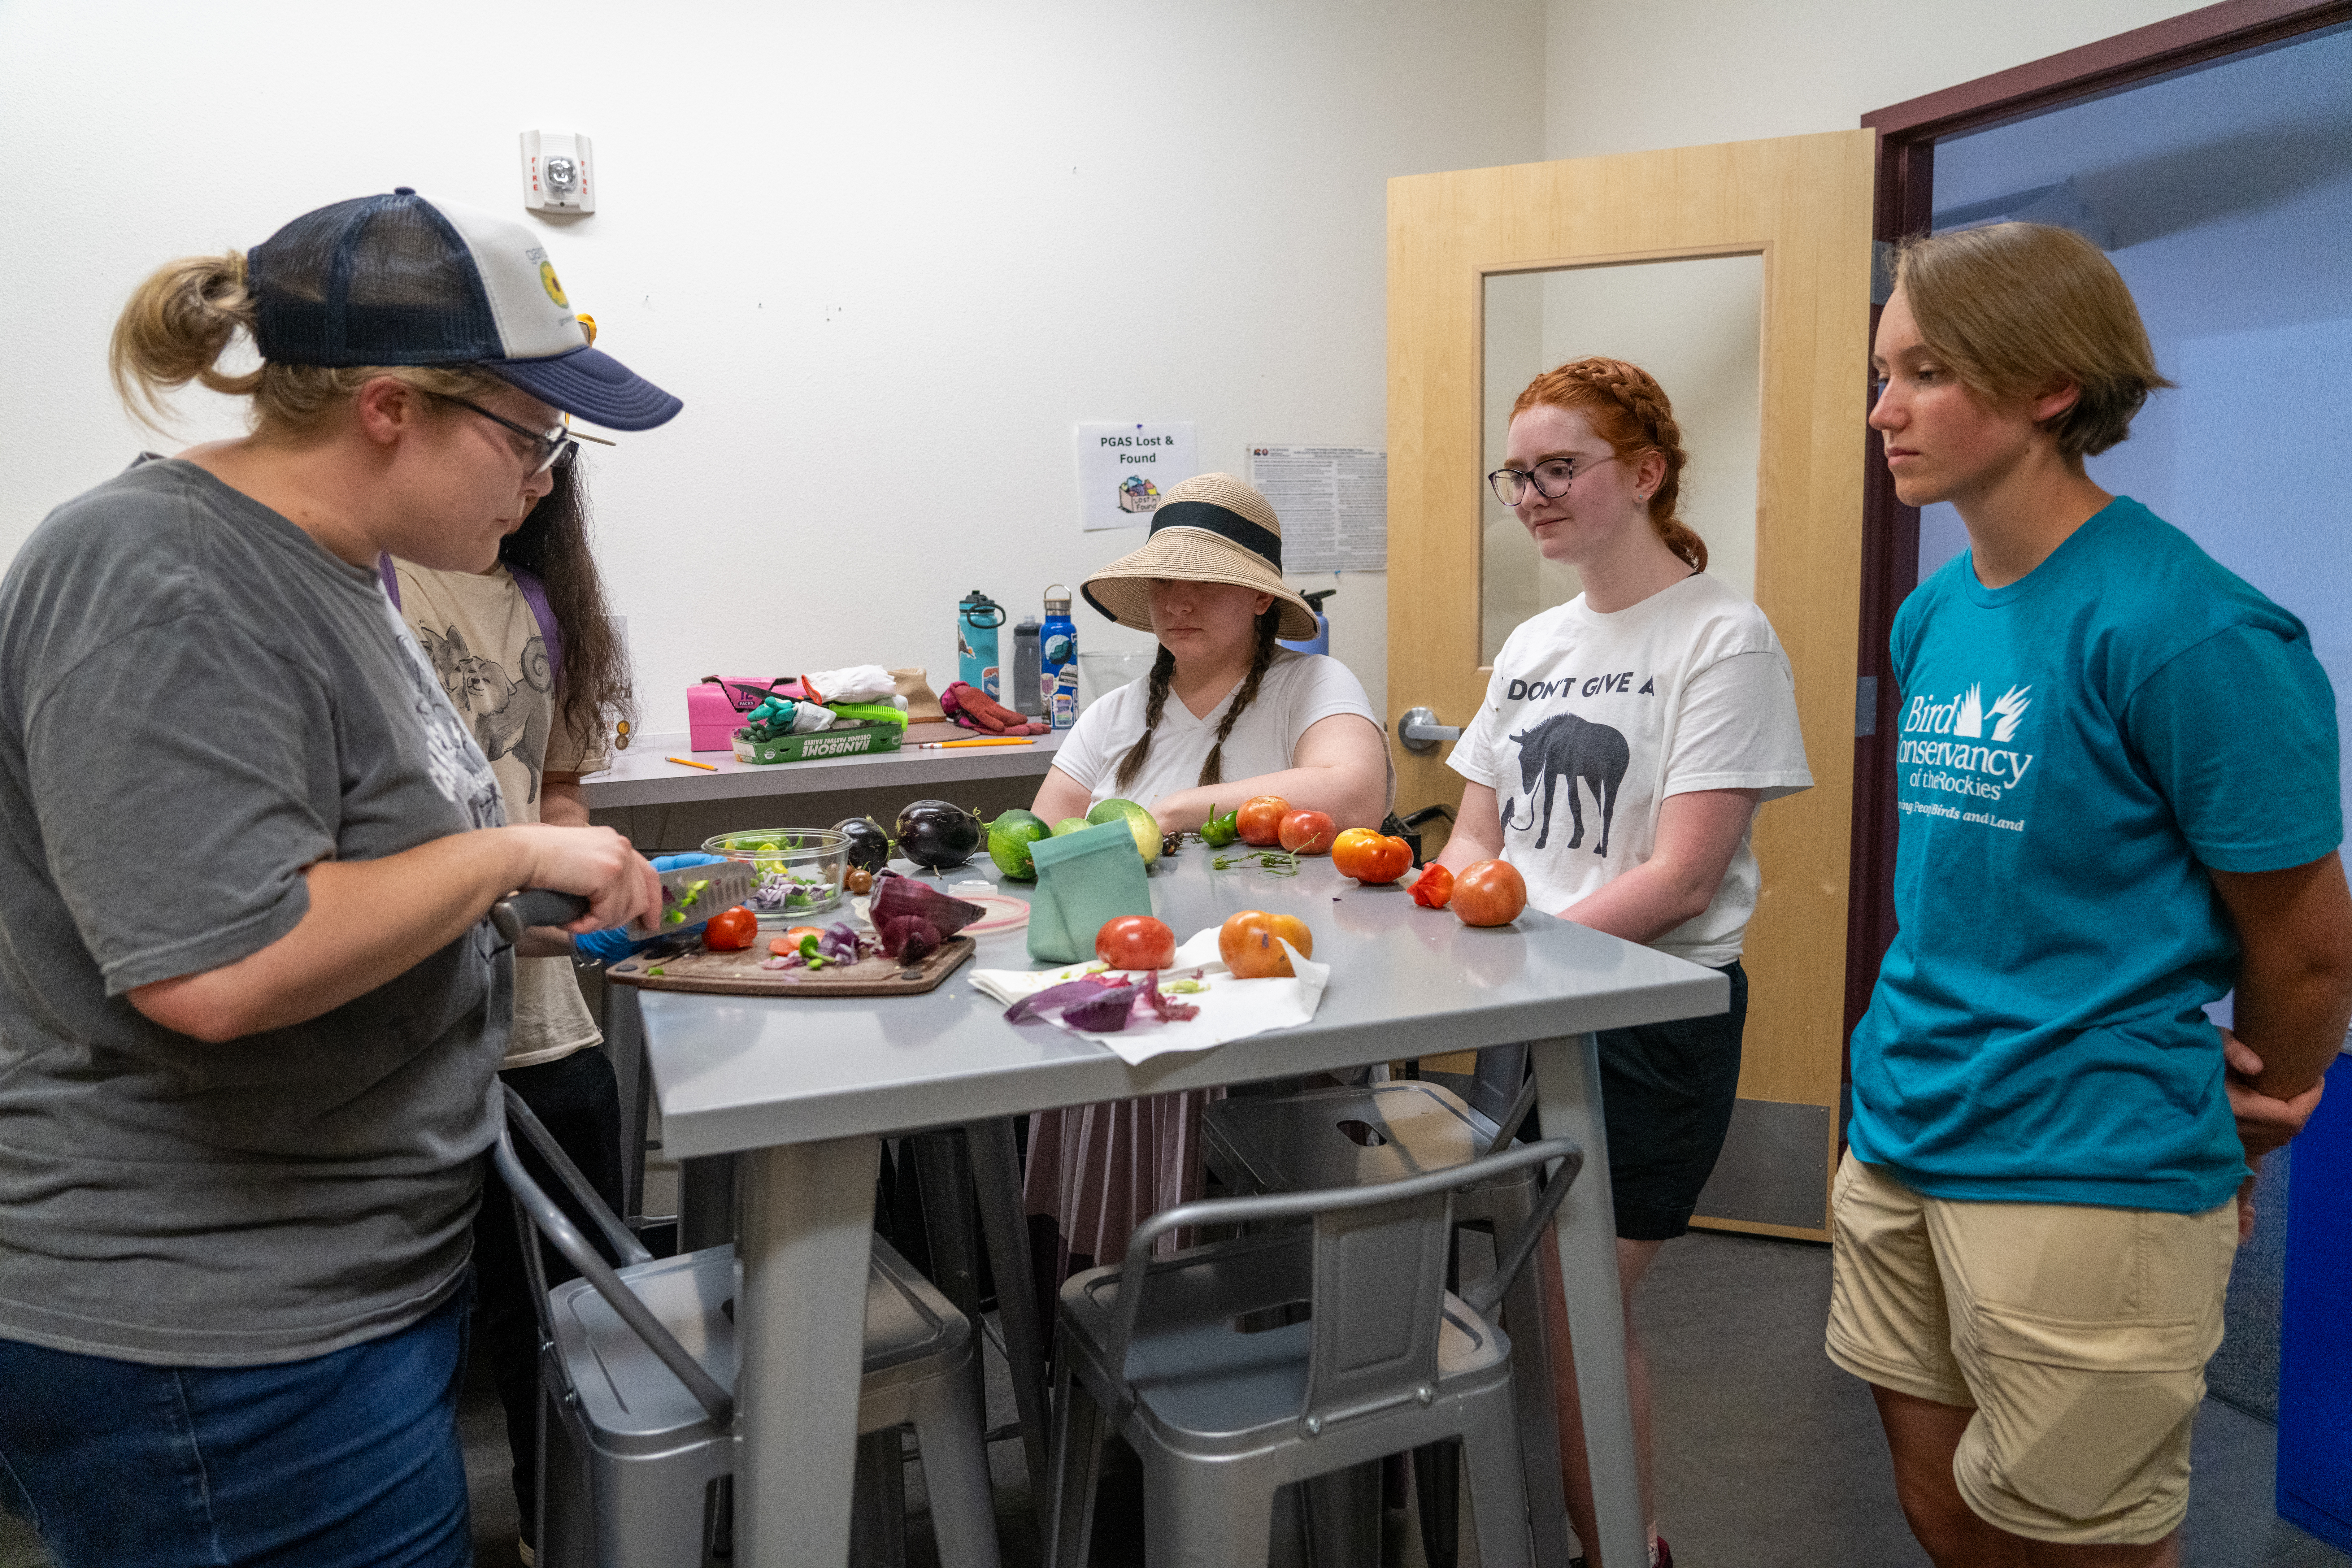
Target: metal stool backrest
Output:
[
  {"x": 1379, "y": 1277},
  {"x": 536, "y": 1211}
]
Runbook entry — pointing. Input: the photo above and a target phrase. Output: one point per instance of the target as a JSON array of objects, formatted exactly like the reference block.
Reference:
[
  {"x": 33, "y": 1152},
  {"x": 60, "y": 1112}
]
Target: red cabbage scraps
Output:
[
  {"x": 1171, "y": 1010},
  {"x": 1068, "y": 993},
  {"x": 910, "y": 915},
  {"x": 1105, "y": 1012}
]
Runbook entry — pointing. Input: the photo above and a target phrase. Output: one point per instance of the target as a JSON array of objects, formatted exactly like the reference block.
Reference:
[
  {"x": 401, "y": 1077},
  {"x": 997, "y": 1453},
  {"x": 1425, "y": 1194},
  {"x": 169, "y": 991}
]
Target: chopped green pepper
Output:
[{"x": 1220, "y": 831}]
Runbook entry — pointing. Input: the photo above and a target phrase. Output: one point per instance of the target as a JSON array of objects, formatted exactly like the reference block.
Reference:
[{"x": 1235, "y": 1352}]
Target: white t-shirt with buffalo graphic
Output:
[{"x": 1592, "y": 720}]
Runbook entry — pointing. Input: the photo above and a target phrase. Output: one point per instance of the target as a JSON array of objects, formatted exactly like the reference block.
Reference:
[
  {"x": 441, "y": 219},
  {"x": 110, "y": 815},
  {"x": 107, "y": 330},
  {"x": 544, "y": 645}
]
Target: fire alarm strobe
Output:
[{"x": 557, "y": 174}]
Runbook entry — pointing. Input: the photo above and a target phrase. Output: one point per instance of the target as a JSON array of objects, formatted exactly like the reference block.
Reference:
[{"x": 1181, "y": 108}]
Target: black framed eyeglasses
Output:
[
  {"x": 550, "y": 448},
  {"x": 1551, "y": 478}
]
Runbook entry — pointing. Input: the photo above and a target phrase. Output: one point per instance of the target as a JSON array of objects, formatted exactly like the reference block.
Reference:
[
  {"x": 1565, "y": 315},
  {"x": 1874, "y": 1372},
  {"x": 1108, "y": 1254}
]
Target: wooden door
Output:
[{"x": 1803, "y": 204}]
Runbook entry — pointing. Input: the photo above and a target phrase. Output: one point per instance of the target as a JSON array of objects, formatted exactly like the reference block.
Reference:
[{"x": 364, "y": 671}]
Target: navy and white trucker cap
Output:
[{"x": 398, "y": 279}]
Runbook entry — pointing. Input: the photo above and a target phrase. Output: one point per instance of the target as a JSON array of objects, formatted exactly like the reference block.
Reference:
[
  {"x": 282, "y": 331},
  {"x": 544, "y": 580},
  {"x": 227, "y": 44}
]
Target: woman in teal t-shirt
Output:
[{"x": 2118, "y": 782}]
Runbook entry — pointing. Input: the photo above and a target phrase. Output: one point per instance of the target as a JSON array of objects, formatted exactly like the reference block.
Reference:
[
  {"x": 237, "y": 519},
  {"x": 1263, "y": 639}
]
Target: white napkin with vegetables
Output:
[{"x": 1228, "y": 1008}]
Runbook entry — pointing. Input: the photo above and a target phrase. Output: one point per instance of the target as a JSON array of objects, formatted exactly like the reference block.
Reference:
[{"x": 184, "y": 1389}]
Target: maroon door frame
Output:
[{"x": 1907, "y": 133}]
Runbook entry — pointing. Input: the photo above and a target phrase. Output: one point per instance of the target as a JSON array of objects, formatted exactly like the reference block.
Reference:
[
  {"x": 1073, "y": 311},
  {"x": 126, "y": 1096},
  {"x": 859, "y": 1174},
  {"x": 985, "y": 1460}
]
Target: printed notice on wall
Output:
[
  {"x": 1333, "y": 502},
  {"x": 1125, "y": 469}
]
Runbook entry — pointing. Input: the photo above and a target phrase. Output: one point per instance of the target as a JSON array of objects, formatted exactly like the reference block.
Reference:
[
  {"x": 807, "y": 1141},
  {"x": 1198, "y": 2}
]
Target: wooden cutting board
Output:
[{"x": 739, "y": 975}]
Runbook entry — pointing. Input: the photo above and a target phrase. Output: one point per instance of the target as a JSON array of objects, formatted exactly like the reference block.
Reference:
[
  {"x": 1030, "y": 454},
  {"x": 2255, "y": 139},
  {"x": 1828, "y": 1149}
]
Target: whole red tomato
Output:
[
  {"x": 1246, "y": 942},
  {"x": 1307, "y": 832},
  {"x": 1433, "y": 887},
  {"x": 1260, "y": 819},
  {"x": 1490, "y": 893},
  {"x": 731, "y": 930},
  {"x": 1136, "y": 941},
  {"x": 1370, "y": 858}
]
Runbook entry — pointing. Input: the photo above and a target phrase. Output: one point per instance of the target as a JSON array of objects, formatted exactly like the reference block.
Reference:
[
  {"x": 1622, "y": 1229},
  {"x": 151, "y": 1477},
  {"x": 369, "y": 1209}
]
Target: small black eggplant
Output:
[
  {"x": 936, "y": 835},
  {"x": 869, "y": 846}
]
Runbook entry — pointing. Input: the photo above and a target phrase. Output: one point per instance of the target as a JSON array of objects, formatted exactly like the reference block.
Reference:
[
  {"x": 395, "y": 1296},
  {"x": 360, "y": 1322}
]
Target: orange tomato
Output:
[
  {"x": 1434, "y": 888},
  {"x": 1370, "y": 857},
  {"x": 1260, "y": 819},
  {"x": 1136, "y": 941},
  {"x": 1247, "y": 943},
  {"x": 731, "y": 930},
  {"x": 1490, "y": 893},
  {"x": 1305, "y": 832}
]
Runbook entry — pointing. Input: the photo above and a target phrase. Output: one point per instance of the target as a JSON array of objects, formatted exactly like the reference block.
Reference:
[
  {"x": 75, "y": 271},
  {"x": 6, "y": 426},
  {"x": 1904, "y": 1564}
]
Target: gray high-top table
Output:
[{"x": 806, "y": 1088}]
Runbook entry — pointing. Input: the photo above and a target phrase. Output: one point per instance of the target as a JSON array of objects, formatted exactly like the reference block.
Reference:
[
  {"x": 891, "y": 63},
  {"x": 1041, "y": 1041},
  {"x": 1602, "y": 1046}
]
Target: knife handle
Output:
[{"x": 535, "y": 907}]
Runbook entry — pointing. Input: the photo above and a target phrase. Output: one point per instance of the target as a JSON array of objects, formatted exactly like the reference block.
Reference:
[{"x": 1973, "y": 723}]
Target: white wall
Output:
[
  {"x": 1681, "y": 73},
  {"x": 887, "y": 254}
]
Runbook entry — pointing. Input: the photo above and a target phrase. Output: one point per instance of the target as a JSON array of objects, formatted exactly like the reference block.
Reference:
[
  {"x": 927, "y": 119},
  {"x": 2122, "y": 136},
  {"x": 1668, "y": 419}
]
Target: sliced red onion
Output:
[
  {"x": 1171, "y": 1011},
  {"x": 1105, "y": 1012},
  {"x": 1053, "y": 996}
]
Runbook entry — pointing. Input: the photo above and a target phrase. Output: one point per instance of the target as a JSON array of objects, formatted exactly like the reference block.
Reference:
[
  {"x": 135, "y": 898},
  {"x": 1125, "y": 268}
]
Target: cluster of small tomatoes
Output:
[{"x": 1489, "y": 893}]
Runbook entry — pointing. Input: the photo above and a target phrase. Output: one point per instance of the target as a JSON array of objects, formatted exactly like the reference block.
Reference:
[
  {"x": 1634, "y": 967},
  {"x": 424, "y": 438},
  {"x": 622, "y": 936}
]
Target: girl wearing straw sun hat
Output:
[
  {"x": 1247, "y": 716},
  {"x": 1226, "y": 713}
]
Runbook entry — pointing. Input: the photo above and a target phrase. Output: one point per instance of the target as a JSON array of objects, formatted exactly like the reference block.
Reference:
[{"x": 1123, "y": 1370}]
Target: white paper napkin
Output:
[{"x": 1231, "y": 1009}]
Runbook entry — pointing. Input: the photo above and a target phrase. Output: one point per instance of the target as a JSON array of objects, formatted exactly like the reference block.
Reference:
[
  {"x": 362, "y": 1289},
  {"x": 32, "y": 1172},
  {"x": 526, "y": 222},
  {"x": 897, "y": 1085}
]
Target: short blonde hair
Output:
[
  {"x": 2015, "y": 307},
  {"x": 180, "y": 321}
]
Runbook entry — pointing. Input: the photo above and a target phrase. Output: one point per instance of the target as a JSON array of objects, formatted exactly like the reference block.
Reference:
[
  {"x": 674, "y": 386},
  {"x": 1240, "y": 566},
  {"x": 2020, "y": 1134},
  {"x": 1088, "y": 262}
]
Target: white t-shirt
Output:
[
  {"x": 485, "y": 644},
  {"x": 1298, "y": 690},
  {"x": 1592, "y": 720}
]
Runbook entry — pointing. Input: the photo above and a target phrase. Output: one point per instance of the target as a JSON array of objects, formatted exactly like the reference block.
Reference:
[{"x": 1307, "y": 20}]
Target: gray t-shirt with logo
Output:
[{"x": 196, "y": 702}]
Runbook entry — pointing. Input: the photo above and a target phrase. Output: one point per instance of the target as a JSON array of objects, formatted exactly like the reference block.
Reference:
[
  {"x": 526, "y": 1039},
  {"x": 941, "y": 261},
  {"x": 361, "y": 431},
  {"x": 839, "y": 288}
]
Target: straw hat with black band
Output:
[{"x": 1212, "y": 528}]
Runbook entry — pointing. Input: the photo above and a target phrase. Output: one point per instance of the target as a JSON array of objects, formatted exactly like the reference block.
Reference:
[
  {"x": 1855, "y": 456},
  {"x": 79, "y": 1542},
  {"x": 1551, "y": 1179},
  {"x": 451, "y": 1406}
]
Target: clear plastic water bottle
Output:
[
  {"x": 1028, "y": 688},
  {"x": 1057, "y": 660}
]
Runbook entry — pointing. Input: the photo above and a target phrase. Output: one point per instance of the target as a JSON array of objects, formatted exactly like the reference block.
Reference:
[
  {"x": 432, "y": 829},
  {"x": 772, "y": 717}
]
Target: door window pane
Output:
[{"x": 1695, "y": 324}]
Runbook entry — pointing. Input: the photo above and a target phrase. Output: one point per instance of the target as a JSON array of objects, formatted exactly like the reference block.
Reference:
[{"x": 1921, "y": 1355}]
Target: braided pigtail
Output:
[
  {"x": 1628, "y": 409},
  {"x": 1163, "y": 671},
  {"x": 1212, "y": 770}
]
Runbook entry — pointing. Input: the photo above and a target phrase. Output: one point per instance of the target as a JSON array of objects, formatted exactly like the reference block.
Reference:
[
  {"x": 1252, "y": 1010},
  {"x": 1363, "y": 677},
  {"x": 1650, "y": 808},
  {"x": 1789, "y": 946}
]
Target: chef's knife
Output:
[{"x": 690, "y": 894}]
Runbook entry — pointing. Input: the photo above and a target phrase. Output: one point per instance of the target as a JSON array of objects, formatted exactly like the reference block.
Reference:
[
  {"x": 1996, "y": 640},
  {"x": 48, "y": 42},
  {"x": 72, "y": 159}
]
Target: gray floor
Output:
[{"x": 1768, "y": 1455}]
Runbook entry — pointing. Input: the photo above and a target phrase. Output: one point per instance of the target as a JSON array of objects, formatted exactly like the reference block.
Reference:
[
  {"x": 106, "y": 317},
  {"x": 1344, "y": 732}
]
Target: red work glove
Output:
[{"x": 976, "y": 709}]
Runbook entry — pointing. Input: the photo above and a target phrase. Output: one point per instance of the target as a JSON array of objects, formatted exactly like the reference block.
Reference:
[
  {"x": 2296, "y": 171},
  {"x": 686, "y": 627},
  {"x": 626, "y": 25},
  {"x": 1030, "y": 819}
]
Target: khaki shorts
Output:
[{"x": 2079, "y": 1336}]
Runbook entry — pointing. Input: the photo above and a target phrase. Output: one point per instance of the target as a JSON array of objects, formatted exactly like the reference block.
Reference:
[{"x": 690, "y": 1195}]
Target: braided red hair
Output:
[{"x": 1627, "y": 408}]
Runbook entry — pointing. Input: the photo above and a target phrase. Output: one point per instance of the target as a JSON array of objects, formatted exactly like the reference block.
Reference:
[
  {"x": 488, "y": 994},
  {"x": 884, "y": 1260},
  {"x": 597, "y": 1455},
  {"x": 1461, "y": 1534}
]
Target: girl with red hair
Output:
[{"x": 1642, "y": 722}]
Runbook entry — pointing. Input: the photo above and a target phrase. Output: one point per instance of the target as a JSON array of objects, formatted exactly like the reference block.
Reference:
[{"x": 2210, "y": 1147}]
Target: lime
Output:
[{"x": 1009, "y": 838}]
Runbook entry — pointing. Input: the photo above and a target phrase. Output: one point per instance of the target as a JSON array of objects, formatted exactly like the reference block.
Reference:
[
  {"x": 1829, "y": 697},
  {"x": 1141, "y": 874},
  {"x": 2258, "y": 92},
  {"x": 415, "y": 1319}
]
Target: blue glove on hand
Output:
[{"x": 614, "y": 944}]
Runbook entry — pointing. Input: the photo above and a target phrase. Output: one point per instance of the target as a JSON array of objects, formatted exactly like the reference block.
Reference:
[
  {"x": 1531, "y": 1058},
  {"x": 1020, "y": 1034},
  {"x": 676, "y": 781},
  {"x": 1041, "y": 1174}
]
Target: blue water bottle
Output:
[
  {"x": 1057, "y": 658},
  {"x": 977, "y": 618},
  {"x": 1321, "y": 641}
]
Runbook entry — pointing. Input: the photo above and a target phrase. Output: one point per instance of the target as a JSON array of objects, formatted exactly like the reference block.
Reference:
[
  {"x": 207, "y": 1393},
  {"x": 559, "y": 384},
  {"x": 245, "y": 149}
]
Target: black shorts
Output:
[{"x": 1666, "y": 1094}]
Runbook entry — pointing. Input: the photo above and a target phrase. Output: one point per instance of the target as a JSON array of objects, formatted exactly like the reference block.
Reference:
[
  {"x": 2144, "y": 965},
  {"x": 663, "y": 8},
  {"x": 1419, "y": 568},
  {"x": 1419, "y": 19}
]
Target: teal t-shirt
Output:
[{"x": 2075, "y": 750}]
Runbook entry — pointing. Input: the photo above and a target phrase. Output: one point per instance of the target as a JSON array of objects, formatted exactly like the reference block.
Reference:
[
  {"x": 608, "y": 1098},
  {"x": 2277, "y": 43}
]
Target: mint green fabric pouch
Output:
[{"x": 1082, "y": 879}]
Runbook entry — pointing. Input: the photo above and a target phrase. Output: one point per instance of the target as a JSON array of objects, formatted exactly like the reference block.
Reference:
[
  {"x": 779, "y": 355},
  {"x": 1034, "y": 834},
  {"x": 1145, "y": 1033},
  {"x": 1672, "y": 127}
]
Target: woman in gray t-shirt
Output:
[{"x": 250, "y": 1007}]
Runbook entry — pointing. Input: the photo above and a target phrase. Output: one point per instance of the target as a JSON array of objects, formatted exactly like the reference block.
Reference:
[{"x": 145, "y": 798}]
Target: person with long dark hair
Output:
[{"x": 526, "y": 653}]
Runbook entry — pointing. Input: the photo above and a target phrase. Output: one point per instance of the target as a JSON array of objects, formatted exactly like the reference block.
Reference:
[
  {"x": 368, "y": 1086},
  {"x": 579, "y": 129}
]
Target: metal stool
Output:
[
  {"x": 1226, "y": 1395},
  {"x": 1374, "y": 1133},
  {"x": 638, "y": 1443}
]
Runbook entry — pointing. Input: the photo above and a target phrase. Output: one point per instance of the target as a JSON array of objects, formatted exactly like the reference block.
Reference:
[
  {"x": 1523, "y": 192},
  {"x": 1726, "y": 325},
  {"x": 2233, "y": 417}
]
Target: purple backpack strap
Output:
[
  {"x": 534, "y": 593},
  {"x": 391, "y": 579}
]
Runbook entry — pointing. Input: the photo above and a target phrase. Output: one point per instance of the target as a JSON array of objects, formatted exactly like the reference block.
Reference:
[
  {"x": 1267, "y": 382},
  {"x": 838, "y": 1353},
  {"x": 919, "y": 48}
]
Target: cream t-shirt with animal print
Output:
[
  {"x": 1592, "y": 720},
  {"x": 483, "y": 642}
]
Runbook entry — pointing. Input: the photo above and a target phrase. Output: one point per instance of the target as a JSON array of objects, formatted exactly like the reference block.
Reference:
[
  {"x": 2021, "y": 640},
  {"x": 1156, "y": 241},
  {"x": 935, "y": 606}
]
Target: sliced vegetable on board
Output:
[{"x": 730, "y": 931}]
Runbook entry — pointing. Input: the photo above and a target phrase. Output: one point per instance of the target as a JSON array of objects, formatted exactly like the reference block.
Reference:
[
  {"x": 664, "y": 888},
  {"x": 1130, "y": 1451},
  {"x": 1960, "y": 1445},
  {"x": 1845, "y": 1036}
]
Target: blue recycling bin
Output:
[{"x": 2315, "y": 1426}]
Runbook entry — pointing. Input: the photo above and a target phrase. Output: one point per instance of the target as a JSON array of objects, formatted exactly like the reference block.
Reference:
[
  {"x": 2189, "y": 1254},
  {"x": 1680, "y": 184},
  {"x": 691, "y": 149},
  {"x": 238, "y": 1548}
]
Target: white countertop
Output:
[{"x": 644, "y": 777}]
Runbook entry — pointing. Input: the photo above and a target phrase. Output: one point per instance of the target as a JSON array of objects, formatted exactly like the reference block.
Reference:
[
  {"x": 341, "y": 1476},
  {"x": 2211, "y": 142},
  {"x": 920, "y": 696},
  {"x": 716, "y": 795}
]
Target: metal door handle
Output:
[{"x": 1421, "y": 731}]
